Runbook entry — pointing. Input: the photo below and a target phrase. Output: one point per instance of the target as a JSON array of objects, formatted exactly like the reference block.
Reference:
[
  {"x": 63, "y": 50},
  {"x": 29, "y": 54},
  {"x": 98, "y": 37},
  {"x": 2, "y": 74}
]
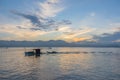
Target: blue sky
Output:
[{"x": 69, "y": 20}]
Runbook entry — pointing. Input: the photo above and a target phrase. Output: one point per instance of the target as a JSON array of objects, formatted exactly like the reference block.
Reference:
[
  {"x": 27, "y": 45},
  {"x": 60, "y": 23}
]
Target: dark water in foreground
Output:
[{"x": 70, "y": 64}]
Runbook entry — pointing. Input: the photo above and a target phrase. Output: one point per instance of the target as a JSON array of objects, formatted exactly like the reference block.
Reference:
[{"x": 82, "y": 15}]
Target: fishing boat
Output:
[
  {"x": 35, "y": 52},
  {"x": 52, "y": 52},
  {"x": 29, "y": 53}
]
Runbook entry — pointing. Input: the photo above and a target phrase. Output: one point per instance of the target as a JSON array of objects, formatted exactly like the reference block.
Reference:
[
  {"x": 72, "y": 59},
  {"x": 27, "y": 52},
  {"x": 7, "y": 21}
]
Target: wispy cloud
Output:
[
  {"x": 41, "y": 19},
  {"x": 115, "y": 27},
  {"x": 81, "y": 39},
  {"x": 40, "y": 22},
  {"x": 50, "y": 8},
  {"x": 19, "y": 34},
  {"x": 32, "y": 18},
  {"x": 92, "y": 14},
  {"x": 107, "y": 37},
  {"x": 71, "y": 34}
]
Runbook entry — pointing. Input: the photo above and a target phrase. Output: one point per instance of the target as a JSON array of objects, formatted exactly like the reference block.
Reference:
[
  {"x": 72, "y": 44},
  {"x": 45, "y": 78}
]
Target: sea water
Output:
[{"x": 70, "y": 63}]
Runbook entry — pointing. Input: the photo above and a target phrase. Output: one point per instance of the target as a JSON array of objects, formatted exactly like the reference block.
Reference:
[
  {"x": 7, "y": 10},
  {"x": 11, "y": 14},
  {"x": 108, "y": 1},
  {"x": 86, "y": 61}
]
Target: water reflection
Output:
[
  {"x": 89, "y": 64},
  {"x": 75, "y": 62},
  {"x": 71, "y": 77}
]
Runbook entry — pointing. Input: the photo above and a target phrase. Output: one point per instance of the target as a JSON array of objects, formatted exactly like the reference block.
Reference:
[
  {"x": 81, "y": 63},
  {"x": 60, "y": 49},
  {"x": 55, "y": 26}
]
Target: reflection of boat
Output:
[
  {"x": 30, "y": 53},
  {"x": 53, "y": 52}
]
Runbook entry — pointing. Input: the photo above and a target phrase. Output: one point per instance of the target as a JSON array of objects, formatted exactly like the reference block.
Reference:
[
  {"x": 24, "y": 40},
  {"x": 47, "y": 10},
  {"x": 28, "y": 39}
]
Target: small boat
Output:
[
  {"x": 30, "y": 53},
  {"x": 35, "y": 52},
  {"x": 53, "y": 52}
]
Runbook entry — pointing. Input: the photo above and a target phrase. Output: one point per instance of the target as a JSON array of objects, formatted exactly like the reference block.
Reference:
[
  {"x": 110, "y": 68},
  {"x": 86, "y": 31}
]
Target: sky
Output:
[{"x": 68, "y": 20}]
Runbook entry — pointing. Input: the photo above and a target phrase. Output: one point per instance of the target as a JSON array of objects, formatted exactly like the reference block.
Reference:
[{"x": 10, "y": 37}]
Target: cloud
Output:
[
  {"x": 40, "y": 23},
  {"x": 32, "y": 18},
  {"x": 110, "y": 33},
  {"x": 117, "y": 40},
  {"x": 42, "y": 19},
  {"x": 72, "y": 34},
  {"x": 19, "y": 34},
  {"x": 114, "y": 27},
  {"x": 93, "y": 14},
  {"x": 76, "y": 32},
  {"x": 106, "y": 37},
  {"x": 19, "y": 27},
  {"x": 81, "y": 39},
  {"x": 50, "y": 8}
]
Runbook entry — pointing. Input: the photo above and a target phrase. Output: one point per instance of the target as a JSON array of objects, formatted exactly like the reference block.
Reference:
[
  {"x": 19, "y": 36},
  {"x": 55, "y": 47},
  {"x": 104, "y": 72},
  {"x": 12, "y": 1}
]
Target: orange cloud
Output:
[{"x": 80, "y": 39}]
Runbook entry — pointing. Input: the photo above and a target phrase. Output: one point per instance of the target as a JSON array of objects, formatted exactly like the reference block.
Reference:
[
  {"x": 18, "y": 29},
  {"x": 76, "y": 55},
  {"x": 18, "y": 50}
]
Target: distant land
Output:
[{"x": 56, "y": 43}]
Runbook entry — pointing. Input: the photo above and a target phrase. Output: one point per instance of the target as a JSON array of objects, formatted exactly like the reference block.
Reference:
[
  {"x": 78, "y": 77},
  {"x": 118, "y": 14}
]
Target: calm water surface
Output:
[{"x": 69, "y": 64}]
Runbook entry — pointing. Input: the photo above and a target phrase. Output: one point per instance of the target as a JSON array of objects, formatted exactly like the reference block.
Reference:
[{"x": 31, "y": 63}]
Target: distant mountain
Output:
[{"x": 56, "y": 43}]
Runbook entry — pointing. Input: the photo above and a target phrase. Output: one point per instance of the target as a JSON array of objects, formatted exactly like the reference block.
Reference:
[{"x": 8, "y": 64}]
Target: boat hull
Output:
[{"x": 31, "y": 53}]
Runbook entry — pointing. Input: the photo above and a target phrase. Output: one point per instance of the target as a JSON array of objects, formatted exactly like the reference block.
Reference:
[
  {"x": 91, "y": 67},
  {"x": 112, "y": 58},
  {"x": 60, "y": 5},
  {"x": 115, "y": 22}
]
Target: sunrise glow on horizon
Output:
[{"x": 68, "y": 20}]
